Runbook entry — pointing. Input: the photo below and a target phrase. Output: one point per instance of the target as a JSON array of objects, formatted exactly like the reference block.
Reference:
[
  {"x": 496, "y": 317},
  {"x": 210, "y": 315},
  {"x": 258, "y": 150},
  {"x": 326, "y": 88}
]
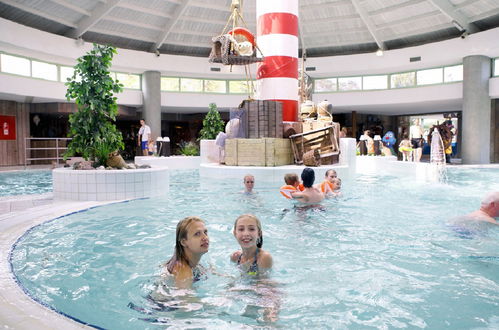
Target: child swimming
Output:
[
  {"x": 252, "y": 259},
  {"x": 292, "y": 185},
  {"x": 327, "y": 185},
  {"x": 191, "y": 243}
]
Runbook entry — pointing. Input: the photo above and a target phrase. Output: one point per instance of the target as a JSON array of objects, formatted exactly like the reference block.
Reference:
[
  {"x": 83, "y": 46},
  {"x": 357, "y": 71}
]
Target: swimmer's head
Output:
[
  {"x": 259, "y": 241},
  {"x": 181, "y": 236},
  {"x": 308, "y": 177},
  {"x": 490, "y": 203},
  {"x": 249, "y": 182},
  {"x": 330, "y": 174},
  {"x": 291, "y": 179},
  {"x": 337, "y": 183}
]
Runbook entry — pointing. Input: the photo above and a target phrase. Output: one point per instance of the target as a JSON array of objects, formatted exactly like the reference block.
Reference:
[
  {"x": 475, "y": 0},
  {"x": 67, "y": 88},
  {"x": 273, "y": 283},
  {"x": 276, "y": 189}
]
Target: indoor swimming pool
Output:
[
  {"x": 25, "y": 182},
  {"x": 383, "y": 255}
]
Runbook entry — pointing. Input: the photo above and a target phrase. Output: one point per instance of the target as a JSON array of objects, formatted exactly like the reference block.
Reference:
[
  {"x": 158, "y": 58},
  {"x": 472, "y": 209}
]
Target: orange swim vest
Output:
[
  {"x": 323, "y": 186},
  {"x": 287, "y": 190}
]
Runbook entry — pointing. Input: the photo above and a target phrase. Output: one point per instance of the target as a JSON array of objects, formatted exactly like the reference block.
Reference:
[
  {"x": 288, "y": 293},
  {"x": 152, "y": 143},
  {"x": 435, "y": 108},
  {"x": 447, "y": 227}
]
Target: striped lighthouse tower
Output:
[{"x": 277, "y": 38}]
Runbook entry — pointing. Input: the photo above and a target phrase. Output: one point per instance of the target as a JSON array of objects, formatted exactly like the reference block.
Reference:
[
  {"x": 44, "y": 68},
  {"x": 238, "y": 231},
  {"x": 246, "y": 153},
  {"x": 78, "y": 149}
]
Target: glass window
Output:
[
  {"x": 453, "y": 73},
  {"x": 16, "y": 65},
  {"x": 66, "y": 73},
  {"x": 400, "y": 80},
  {"x": 215, "y": 86},
  {"x": 350, "y": 83},
  {"x": 191, "y": 85},
  {"x": 430, "y": 76},
  {"x": 170, "y": 84},
  {"x": 326, "y": 85},
  {"x": 496, "y": 67},
  {"x": 375, "y": 82},
  {"x": 44, "y": 70},
  {"x": 131, "y": 81},
  {"x": 238, "y": 86}
]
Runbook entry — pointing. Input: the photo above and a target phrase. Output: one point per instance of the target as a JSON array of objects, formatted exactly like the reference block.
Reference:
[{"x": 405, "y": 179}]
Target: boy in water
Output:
[
  {"x": 249, "y": 183},
  {"x": 310, "y": 194}
]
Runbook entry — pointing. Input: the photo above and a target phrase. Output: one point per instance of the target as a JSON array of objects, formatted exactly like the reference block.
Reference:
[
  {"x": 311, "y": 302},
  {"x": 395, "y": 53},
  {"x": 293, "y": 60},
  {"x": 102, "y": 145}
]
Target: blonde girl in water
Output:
[
  {"x": 252, "y": 259},
  {"x": 191, "y": 243}
]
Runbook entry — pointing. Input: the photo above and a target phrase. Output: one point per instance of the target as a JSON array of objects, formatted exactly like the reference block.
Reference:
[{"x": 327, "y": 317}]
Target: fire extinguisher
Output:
[{"x": 5, "y": 128}]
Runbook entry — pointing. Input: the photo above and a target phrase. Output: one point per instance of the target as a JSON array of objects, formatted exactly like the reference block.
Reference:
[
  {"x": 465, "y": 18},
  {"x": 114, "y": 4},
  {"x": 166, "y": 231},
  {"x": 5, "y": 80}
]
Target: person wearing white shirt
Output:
[
  {"x": 144, "y": 137},
  {"x": 416, "y": 135}
]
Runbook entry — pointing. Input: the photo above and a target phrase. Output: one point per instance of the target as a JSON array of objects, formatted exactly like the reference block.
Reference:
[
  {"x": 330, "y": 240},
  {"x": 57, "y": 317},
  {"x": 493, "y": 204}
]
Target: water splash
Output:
[{"x": 437, "y": 157}]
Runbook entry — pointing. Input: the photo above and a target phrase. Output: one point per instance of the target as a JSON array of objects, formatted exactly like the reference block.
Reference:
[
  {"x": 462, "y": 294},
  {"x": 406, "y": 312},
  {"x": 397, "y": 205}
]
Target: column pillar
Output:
[
  {"x": 277, "y": 38},
  {"x": 476, "y": 110},
  {"x": 151, "y": 110}
]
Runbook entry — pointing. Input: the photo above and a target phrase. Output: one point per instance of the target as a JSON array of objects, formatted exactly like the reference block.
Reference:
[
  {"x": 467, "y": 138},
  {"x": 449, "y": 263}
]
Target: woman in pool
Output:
[
  {"x": 191, "y": 243},
  {"x": 248, "y": 233}
]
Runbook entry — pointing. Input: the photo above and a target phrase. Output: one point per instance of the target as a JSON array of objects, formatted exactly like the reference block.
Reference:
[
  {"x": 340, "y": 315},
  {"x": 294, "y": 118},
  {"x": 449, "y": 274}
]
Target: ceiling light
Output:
[{"x": 379, "y": 52}]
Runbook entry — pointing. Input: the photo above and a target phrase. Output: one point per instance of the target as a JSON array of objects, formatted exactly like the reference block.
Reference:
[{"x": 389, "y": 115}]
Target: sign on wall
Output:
[{"x": 7, "y": 127}]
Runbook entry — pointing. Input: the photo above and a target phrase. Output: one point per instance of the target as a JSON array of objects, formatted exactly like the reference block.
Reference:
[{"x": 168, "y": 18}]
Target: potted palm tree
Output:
[{"x": 92, "y": 127}]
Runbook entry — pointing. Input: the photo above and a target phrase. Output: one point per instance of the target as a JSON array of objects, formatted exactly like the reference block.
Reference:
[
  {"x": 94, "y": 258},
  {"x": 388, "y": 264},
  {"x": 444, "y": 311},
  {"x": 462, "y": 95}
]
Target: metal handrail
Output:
[{"x": 58, "y": 150}]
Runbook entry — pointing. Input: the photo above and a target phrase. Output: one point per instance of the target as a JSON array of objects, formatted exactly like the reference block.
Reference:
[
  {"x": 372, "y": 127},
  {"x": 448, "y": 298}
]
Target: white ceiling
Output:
[{"x": 327, "y": 27}]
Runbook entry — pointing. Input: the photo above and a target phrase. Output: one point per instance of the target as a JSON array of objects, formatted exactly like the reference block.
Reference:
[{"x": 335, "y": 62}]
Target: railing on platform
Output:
[{"x": 44, "y": 149}]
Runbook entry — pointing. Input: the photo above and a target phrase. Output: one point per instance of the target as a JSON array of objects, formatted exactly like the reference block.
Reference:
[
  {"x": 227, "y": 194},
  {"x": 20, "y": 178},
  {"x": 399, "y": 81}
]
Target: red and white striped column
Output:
[{"x": 277, "y": 38}]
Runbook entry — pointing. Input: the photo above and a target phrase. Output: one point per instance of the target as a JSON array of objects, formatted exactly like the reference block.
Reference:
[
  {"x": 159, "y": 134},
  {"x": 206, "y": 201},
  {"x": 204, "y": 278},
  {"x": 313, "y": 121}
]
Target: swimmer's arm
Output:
[
  {"x": 234, "y": 256},
  {"x": 183, "y": 276},
  {"x": 297, "y": 195}
]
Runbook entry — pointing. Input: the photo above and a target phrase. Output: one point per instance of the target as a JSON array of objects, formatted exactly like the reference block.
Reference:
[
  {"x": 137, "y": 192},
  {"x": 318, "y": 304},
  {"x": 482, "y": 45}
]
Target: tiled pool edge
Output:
[{"x": 107, "y": 185}]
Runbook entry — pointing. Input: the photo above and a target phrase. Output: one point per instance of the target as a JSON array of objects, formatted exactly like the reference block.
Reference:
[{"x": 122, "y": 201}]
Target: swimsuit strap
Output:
[{"x": 253, "y": 269}]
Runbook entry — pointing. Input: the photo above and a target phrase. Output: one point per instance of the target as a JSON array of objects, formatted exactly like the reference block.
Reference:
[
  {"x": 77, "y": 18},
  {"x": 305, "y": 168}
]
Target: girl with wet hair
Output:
[
  {"x": 191, "y": 243},
  {"x": 252, "y": 259}
]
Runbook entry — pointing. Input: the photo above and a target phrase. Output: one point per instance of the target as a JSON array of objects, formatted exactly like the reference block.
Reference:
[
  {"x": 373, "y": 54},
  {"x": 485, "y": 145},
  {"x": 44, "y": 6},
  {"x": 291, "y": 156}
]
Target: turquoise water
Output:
[
  {"x": 25, "y": 182},
  {"x": 380, "y": 256}
]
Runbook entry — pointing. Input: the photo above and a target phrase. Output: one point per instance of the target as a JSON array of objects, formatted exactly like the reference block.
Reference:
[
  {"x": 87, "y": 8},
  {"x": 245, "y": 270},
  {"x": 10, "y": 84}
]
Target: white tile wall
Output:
[{"x": 110, "y": 184}]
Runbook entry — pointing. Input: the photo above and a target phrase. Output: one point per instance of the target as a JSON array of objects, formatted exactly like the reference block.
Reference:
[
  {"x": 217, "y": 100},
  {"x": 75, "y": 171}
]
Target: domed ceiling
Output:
[{"x": 327, "y": 27}]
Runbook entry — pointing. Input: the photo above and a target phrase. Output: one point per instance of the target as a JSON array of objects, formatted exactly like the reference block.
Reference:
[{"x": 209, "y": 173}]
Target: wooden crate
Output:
[
  {"x": 258, "y": 152},
  {"x": 262, "y": 118},
  {"x": 325, "y": 140}
]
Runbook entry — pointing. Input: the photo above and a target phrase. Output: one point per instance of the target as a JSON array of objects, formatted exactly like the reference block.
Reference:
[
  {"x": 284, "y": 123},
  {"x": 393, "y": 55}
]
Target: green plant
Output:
[
  {"x": 92, "y": 128},
  {"x": 212, "y": 124},
  {"x": 188, "y": 148}
]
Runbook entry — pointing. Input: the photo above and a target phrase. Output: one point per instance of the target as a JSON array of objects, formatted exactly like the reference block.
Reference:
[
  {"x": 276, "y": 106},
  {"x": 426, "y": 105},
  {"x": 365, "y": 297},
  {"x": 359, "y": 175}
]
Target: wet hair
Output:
[
  {"x": 489, "y": 198},
  {"x": 291, "y": 178},
  {"x": 259, "y": 241},
  {"x": 179, "y": 254},
  {"x": 308, "y": 177},
  {"x": 330, "y": 170},
  {"x": 337, "y": 181},
  {"x": 248, "y": 176}
]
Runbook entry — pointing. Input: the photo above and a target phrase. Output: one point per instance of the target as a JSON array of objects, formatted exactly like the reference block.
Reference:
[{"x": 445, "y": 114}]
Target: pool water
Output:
[
  {"x": 25, "y": 182},
  {"x": 380, "y": 256}
]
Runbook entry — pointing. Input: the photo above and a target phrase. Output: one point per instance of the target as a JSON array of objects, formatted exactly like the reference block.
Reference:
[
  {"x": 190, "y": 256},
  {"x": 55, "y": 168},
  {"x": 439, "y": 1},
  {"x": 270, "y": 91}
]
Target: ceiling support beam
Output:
[
  {"x": 179, "y": 11},
  {"x": 369, "y": 23},
  {"x": 38, "y": 13},
  {"x": 454, "y": 15},
  {"x": 72, "y": 7},
  {"x": 86, "y": 23}
]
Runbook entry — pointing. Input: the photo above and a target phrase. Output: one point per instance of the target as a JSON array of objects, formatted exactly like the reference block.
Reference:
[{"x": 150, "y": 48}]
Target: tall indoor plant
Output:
[
  {"x": 212, "y": 124},
  {"x": 92, "y": 129}
]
